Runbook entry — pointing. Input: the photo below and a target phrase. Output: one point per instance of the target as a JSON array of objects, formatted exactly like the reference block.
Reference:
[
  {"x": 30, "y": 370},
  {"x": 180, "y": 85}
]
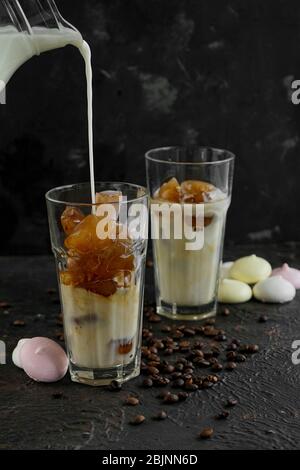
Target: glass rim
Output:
[
  {"x": 54, "y": 200},
  {"x": 230, "y": 156}
]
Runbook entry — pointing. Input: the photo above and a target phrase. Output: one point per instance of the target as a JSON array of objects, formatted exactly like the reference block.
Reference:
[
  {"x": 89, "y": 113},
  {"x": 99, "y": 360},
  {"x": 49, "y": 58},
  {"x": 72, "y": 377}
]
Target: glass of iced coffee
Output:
[
  {"x": 190, "y": 191},
  {"x": 100, "y": 250}
]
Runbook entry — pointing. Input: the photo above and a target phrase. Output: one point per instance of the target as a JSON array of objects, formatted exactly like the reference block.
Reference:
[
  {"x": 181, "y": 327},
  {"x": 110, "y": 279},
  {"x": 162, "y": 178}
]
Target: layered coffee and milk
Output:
[
  {"x": 100, "y": 293},
  {"x": 188, "y": 278}
]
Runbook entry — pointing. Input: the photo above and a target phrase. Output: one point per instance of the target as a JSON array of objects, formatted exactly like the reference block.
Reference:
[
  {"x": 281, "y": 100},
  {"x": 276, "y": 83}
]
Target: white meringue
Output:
[
  {"x": 250, "y": 269},
  {"x": 233, "y": 292},
  {"x": 16, "y": 353},
  {"x": 275, "y": 289}
]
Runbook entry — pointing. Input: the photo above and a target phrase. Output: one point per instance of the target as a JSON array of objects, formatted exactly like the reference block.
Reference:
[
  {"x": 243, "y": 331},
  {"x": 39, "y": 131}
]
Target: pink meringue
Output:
[
  {"x": 290, "y": 274},
  {"x": 42, "y": 359}
]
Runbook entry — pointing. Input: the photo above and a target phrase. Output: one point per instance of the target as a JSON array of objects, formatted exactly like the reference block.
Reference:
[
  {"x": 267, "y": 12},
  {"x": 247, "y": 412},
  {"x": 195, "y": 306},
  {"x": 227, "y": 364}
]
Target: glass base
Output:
[
  {"x": 182, "y": 312},
  {"x": 101, "y": 377}
]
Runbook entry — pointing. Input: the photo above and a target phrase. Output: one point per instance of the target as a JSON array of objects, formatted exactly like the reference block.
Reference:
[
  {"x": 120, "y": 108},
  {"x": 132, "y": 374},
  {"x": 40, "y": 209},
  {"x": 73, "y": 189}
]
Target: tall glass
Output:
[
  {"x": 100, "y": 252},
  {"x": 191, "y": 186}
]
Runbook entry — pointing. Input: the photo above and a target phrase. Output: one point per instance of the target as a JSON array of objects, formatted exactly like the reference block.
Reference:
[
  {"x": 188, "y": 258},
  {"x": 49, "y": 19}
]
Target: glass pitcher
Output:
[{"x": 28, "y": 28}]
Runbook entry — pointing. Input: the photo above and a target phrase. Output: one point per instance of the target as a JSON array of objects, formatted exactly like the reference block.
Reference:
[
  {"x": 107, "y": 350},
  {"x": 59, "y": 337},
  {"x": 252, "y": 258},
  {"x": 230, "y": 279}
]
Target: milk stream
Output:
[{"x": 16, "y": 48}]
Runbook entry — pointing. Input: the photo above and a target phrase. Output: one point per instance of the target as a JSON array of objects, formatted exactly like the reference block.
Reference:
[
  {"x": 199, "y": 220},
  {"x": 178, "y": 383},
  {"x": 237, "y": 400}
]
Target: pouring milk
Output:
[{"x": 18, "y": 47}]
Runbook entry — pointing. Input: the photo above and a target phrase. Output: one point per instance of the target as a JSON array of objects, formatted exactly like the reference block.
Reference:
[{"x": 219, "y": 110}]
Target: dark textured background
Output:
[{"x": 166, "y": 72}]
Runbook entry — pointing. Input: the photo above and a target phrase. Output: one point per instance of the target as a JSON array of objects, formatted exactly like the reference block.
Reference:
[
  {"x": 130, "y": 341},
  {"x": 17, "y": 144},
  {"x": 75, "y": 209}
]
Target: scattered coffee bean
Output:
[
  {"x": 179, "y": 367},
  {"x": 169, "y": 369},
  {"x": 225, "y": 312},
  {"x": 240, "y": 358},
  {"x": 154, "y": 318},
  {"x": 191, "y": 387},
  {"x": 168, "y": 352},
  {"x": 163, "y": 394},
  {"x": 249, "y": 348},
  {"x": 19, "y": 323},
  {"x": 178, "y": 334},
  {"x": 178, "y": 383},
  {"x": 222, "y": 415},
  {"x": 217, "y": 366},
  {"x": 132, "y": 401},
  {"x": 221, "y": 338},
  {"x": 263, "y": 319},
  {"x": 210, "y": 331},
  {"x": 206, "y": 433},
  {"x": 139, "y": 419},
  {"x": 184, "y": 345},
  {"x": 231, "y": 402},
  {"x": 231, "y": 347},
  {"x": 188, "y": 370},
  {"x": 183, "y": 396},
  {"x": 166, "y": 329},
  {"x": 148, "y": 383},
  {"x": 153, "y": 371},
  {"x": 115, "y": 386},
  {"x": 176, "y": 375},
  {"x": 171, "y": 398},
  {"x": 161, "y": 381},
  {"x": 4, "y": 305},
  {"x": 231, "y": 365},
  {"x": 160, "y": 416},
  {"x": 202, "y": 363},
  {"x": 210, "y": 321},
  {"x": 212, "y": 378},
  {"x": 231, "y": 356},
  {"x": 189, "y": 332}
]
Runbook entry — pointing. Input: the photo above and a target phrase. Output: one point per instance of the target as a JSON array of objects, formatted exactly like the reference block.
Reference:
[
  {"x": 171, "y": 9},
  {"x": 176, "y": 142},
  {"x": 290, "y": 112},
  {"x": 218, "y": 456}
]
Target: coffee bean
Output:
[
  {"x": 206, "y": 433},
  {"x": 19, "y": 323},
  {"x": 146, "y": 333},
  {"x": 221, "y": 338},
  {"x": 225, "y": 312},
  {"x": 231, "y": 365},
  {"x": 166, "y": 329},
  {"x": 263, "y": 319},
  {"x": 148, "y": 383},
  {"x": 132, "y": 401},
  {"x": 202, "y": 363},
  {"x": 232, "y": 347},
  {"x": 178, "y": 334},
  {"x": 178, "y": 383},
  {"x": 153, "y": 371},
  {"x": 217, "y": 366},
  {"x": 249, "y": 348},
  {"x": 168, "y": 352},
  {"x": 222, "y": 415},
  {"x": 191, "y": 387},
  {"x": 236, "y": 341},
  {"x": 171, "y": 398},
  {"x": 208, "y": 354},
  {"x": 4, "y": 305},
  {"x": 212, "y": 379},
  {"x": 163, "y": 394},
  {"x": 139, "y": 419},
  {"x": 199, "y": 329},
  {"x": 198, "y": 353},
  {"x": 181, "y": 327},
  {"x": 115, "y": 386},
  {"x": 210, "y": 331},
  {"x": 179, "y": 367},
  {"x": 231, "y": 356},
  {"x": 210, "y": 321},
  {"x": 169, "y": 369},
  {"x": 184, "y": 345},
  {"x": 176, "y": 375},
  {"x": 231, "y": 402},
  {"x": 154, "y": 318},
  {"x": 153, "y": 350},
  {"x": 189, "y": 332},
  {"x": 240, "y": 358},
  {"x": 183, "y": 396},
  {"x": 159, "y": 345},
  {"x": 161, "y": 381},
  {"x": 160, "y": 416},
  {"x": 188, "y": 370},
  {"x": 206, "y": 384}
]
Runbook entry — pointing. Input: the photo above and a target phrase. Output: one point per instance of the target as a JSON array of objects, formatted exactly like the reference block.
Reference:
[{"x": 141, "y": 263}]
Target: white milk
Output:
[{"x": 16, "y": 48}]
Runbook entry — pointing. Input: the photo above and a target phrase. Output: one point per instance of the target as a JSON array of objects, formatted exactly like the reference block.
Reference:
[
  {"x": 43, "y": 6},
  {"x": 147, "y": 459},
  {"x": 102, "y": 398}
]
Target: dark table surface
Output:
[{"x": 72, "y": 416}]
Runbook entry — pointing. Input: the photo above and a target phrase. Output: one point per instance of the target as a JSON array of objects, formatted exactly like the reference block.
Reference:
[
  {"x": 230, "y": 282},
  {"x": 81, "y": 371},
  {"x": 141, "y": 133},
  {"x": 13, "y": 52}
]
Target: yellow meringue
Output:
[{"x": 250, "y": 269}]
